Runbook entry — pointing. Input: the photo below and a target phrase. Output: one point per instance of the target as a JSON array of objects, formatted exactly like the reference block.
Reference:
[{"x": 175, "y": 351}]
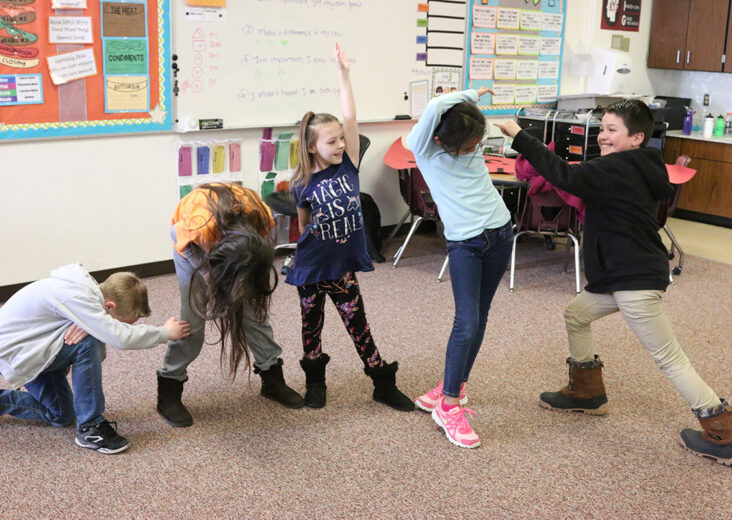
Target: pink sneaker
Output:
[
  {"x": 428, "y": 401},
  {"x": 456, "y": 425}
]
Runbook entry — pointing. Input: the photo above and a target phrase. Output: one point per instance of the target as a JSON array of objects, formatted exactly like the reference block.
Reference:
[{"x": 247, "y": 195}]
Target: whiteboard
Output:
[{"x": 260, "y": 63}]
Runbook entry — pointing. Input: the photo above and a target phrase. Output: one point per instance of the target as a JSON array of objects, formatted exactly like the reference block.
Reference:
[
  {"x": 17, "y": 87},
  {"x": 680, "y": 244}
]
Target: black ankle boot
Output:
[
  {"x": 275, "y": 388},
  {"x": 385, "y": 390},
  {"x": 170, "y": 406},
  {"x": 315, "y": 380}
]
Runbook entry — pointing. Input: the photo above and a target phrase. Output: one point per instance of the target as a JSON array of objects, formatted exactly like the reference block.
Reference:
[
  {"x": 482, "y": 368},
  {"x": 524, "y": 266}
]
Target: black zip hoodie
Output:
[{"x": 622, "y": 248}]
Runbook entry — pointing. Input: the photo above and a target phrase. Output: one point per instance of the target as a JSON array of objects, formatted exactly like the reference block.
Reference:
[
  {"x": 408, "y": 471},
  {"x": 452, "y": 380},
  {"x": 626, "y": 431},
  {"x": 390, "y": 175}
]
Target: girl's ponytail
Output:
[{"x": 304, "y": 167}]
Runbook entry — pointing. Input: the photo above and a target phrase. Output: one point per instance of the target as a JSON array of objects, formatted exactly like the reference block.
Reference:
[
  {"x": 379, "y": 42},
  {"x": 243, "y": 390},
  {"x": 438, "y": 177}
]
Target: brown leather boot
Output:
[
  {"x": 584, "y": 393},
  {"x": 715, "y": 441}
]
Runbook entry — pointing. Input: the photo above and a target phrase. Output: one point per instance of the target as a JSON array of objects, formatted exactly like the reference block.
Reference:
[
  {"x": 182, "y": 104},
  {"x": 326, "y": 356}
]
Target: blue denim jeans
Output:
[
  {"x": 476, "y": 268},
  {"x": 49, "y": 398}
]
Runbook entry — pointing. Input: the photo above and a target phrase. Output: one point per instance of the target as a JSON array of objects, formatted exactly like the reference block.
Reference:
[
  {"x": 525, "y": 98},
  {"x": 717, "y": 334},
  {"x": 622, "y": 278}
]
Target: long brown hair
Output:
[
  {"x": 308, "y": 136},
  {"x": 237, "y": 271}
]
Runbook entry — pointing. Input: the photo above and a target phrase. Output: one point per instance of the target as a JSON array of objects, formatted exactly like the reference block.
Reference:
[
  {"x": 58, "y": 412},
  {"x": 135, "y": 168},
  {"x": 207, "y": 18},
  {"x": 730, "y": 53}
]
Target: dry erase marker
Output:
[
  {"x": 219, "y": 158},
  {"x": 234, "y": 157},
  {"x": 185, "y": 159},
  {"x": 202, "y": 160}
]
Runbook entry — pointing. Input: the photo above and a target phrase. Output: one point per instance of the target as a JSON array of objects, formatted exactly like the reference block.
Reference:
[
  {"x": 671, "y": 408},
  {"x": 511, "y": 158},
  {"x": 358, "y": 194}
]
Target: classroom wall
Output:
[{"x": 107, "y": 201}]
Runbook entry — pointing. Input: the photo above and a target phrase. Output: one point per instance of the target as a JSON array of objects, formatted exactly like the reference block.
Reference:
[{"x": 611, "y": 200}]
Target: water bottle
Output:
[
  {"x": 719, "y": 127},
  {"x": 708, "y": 126},
  {"x": 688, "y": 122}
]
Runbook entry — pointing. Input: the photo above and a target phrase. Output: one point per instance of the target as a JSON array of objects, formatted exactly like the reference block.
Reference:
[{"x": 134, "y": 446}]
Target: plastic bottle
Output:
[
  {"x": 728, "y": 126},
  {"x": 719, "y": 126},
  {"x": 708, "y": 126},
  {"x": 688, "y": 122}
]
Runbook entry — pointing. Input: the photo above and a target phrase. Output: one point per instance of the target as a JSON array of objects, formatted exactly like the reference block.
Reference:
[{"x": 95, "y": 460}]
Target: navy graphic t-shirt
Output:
[{"x": 334, "y": 242}]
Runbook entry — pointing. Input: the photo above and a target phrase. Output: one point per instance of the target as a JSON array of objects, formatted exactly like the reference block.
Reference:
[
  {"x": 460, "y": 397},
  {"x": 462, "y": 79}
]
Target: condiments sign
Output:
[{"x": 621, "y": 15}]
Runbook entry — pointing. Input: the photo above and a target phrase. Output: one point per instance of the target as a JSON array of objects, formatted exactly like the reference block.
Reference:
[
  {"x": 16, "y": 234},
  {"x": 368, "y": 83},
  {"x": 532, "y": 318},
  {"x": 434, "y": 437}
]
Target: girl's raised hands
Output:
[{"x": 341, "y": 59}]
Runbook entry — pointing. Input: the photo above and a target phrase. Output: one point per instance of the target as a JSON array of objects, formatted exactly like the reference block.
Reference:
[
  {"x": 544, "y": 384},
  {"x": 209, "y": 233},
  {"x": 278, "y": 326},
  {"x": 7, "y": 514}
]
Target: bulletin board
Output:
[
  {"x": 82, "y": 67},
  {"x": 514, "y": 47}
]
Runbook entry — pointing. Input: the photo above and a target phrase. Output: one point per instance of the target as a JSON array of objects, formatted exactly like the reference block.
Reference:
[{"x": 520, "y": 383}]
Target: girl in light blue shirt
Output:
[{"x": 446, "y": 146}]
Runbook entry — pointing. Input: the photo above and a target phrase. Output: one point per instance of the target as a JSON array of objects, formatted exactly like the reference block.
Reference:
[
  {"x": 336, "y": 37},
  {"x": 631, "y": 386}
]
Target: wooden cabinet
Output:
[
  {"x": 728, "y": 51},
  {"x": 709, "y": 192},
  {"x": 689, "y": 34}
]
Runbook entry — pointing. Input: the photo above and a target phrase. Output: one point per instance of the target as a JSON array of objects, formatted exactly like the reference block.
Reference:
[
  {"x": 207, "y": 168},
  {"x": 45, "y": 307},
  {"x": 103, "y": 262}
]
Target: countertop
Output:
[{"x": 698, "y": 136}]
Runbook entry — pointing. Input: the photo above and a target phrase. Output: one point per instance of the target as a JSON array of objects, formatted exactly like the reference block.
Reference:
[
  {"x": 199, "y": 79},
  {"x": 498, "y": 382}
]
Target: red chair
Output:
[
  {"x": 546, "y": 214},
  {"x": 414, "y": 190},
  {"x": 666, "y": 208},
  {"x": 416, "y": 194}
]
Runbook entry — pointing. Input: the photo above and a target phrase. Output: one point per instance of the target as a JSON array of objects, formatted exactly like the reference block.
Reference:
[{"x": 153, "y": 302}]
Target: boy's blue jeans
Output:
[
  {"x": 476, "y": 268},
  {"x": 49, "y": 398}
]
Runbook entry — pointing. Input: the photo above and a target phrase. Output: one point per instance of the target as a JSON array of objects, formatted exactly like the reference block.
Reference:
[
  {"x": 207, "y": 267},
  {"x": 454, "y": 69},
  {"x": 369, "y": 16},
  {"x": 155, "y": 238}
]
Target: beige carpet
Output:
[{"x": 246, "y": 457}]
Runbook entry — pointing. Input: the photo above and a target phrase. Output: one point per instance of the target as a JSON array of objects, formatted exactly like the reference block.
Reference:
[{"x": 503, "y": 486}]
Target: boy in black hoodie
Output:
[{"x": 626, "y": 266}]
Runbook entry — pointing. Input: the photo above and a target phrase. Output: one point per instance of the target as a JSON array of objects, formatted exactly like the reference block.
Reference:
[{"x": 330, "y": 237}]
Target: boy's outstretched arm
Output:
[
  {"x": 176, "y": 328},
  {"x": 348, "y": 104},
  {"x": 580, "y": 179}
]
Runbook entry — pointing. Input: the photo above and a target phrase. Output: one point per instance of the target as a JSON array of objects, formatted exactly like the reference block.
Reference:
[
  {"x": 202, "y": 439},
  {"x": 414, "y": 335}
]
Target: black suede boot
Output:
[
  {"x": 385, "y": 390},
  {"x": 275, "y": 388},
  {"x": 170, "y": 406},
  {"x": 315, "y": 380}
]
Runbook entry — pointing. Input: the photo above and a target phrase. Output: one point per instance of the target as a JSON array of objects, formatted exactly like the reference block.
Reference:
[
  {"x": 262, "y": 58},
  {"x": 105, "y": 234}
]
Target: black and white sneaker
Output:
[{"x": 102, "y": 437}]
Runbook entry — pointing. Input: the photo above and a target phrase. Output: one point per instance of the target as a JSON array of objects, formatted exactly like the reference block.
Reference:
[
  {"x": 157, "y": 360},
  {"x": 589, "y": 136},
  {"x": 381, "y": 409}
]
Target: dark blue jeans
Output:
[
  {"x": 476, "y": 268},
  {"x": 49, "y": 397}
]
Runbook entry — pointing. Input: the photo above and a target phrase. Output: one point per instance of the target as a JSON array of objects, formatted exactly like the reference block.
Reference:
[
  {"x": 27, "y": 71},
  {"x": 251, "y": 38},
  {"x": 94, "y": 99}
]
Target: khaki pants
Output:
[{"x": 643, "y": 310}]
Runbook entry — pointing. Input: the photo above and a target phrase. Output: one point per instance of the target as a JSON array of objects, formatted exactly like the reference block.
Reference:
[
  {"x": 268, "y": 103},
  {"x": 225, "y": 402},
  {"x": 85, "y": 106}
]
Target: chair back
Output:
[
  {"x": 363, "y": 145},
  {"x": 667, "y": 207},
  {"x": 546, "y": 211},
  {"x": 420, "y": 200}
]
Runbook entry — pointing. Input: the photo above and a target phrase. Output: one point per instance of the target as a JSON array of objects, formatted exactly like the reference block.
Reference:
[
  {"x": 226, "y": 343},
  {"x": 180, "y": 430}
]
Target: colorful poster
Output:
[
  {"x": 123, "y": 19},
  {"x": 127, "y": 94},
  {"x": 21, "y": 89},
  {"x": 620, "y": 15},
  {"x": 125, "y": 56}
]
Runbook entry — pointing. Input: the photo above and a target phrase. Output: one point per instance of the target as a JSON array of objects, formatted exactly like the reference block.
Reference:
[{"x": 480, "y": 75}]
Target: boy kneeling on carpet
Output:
[{"x": 62, "y": 323}]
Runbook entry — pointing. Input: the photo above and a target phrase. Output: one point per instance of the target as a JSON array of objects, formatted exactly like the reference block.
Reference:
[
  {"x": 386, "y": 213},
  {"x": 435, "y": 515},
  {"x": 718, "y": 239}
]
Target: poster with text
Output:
[{"x": 621, "y": 15}]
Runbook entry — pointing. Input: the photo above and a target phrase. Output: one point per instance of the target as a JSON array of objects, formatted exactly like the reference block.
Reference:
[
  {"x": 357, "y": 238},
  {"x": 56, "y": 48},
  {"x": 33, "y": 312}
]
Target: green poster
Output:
[{"x": 125, "y": 56}]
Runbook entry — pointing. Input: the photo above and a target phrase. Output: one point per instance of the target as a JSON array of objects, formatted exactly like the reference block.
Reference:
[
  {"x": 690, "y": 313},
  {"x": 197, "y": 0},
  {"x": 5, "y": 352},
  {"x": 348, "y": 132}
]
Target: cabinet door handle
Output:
[
  {"x": 688, "y": 53},
  {"x": 678, "y": 55}
]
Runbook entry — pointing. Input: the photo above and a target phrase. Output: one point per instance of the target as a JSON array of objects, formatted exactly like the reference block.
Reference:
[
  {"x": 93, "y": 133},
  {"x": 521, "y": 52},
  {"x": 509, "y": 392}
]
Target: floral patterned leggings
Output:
[{"x": 346, "y": 296}]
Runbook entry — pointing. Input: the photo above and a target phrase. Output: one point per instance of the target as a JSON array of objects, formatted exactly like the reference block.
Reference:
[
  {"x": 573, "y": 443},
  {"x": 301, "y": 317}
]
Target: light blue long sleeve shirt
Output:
[{"x": 461, "y": 186}]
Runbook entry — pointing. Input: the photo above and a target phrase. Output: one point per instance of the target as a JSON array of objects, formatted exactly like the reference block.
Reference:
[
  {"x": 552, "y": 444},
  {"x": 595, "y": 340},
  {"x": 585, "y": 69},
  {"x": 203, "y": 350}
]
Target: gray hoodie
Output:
[{"x": 34, "y": 320}]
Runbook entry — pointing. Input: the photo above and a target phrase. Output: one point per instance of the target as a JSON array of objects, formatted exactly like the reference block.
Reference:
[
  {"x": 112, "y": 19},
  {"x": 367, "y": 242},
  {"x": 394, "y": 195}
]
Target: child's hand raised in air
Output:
[
  {"x": 485, "y": 90},
  {"x": 177, "y": 329},
  {"x": 509, "y": 128},
  {"x": 341, "y": 59}
]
